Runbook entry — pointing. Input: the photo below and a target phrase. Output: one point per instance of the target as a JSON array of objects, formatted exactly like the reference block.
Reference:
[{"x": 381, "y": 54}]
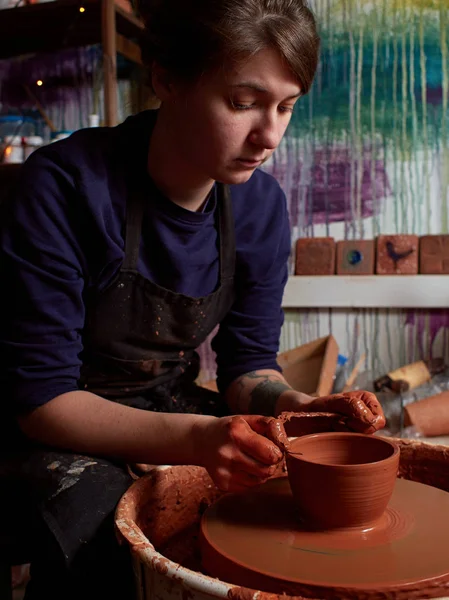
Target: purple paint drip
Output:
[
  {"x": 323, "y": 190},
  {"x": 434, "y": 95},
  {"x": 63, "y": 74},
  {"x": 436, "y": 320}
]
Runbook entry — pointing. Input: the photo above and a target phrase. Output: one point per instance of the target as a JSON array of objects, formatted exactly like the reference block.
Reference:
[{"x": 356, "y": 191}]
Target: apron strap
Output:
[
  {"x": 134, "y": 214},
  {"x": 226, "y": 229},
  {"x": 135, "y": 207}
]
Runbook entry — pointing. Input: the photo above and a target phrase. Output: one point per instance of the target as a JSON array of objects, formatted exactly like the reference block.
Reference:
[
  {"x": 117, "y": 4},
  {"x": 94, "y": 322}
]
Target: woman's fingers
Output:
[
  {"x": 235, "y": 454},
  {"x": 243, "y": 432},
  {"x": 236, "y": 481},
  {"x": 362, "y": 410},
  {"x": 269, "y": 427},
  {"x": 375, "y": 407},
  {"x": 368, "y": 416}
]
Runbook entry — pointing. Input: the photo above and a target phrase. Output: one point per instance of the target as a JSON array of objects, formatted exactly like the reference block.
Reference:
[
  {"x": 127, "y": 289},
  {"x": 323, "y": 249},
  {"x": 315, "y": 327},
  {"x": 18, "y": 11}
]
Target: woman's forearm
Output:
[
  {"x": 263, "y": 392},
  {"x": 86, "y": 423}
]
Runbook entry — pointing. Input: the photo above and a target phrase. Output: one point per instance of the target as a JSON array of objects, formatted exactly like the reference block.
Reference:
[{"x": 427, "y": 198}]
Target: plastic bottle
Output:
[{"x": 341, "y": 374}]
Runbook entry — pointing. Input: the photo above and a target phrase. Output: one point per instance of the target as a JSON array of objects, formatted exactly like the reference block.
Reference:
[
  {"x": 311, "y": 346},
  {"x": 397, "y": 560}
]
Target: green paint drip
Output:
[
  {"x": 376, "y": 227},
  {"x": 352, "y": 120},
  {"x": 359, "y": 140},
  {"x": 444, "y": 120},
  {"x": 395, "y": 139},
  {"x": 405, "y": 150},
  {"x": 413, "y": 174},
  {"x": 424, "y": 122}
]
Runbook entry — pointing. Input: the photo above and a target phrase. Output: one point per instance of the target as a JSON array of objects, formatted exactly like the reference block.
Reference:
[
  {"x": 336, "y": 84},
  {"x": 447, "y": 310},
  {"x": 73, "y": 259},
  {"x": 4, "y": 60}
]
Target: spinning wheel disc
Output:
[{"x": 257, "y": 540}]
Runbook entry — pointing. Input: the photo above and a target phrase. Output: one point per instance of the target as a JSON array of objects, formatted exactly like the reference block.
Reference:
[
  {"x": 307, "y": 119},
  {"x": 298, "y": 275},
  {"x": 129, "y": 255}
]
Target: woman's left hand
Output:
[{"x": 362, "y": 410}]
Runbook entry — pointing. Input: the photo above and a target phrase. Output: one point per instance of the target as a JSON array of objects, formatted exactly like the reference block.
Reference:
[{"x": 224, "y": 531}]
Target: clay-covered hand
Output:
[
  {"x": 237, "y": 451},
  {"x": 362, "y": 410}
]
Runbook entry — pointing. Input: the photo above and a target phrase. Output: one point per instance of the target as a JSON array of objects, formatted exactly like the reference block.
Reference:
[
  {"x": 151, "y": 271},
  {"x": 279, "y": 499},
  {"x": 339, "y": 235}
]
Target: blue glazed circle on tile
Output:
[{"x": 354, "y": 257}]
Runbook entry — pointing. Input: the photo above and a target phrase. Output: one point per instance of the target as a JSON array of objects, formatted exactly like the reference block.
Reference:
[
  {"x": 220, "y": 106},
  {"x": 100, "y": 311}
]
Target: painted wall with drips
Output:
[{"x": 367, "y": 152}]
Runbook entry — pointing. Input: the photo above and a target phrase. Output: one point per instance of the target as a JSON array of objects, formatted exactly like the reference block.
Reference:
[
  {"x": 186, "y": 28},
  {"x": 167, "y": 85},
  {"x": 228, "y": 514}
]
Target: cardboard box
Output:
[
  {"x": 209, "y": 385},
  {"x": 310, "y": 368}
]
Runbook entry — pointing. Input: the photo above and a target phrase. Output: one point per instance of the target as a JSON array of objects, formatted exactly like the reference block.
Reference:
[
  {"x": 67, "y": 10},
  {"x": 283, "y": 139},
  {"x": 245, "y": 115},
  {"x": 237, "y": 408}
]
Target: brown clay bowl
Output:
[{"x": 341, "y": 480}]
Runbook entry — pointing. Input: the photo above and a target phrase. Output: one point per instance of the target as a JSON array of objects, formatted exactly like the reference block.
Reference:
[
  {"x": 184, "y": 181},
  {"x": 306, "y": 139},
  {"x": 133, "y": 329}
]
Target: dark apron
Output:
[
  {"x": 140, "y": 338},
  {"x": 139, "y": 349}
]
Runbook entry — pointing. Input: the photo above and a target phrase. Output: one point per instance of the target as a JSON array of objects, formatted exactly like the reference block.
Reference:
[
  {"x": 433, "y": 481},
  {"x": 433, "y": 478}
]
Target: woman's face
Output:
[{"x": 226, "y": 125}]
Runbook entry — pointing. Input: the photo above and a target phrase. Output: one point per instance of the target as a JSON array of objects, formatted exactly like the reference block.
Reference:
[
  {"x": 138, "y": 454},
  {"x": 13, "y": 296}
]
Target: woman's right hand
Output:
[{"x": 235, "y": 451}]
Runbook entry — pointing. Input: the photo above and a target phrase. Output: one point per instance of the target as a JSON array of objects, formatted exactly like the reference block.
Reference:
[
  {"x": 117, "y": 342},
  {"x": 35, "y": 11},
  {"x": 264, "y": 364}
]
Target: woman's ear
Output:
[{"x": 162, "y": 82}]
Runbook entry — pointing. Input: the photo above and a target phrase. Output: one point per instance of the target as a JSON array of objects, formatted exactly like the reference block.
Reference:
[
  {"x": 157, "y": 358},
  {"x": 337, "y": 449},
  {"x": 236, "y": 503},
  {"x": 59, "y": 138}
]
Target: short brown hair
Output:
[{"x": 191, "y": 37}]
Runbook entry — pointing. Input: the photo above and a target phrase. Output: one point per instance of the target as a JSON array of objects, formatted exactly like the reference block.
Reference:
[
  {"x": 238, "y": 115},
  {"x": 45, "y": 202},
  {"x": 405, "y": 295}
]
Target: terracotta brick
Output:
[
  {"x": 315, "y": 256},
  {"x": 434, "y": 255},
  {"x": 397, "y": 255},
  {"x": 355, "y": 257}
]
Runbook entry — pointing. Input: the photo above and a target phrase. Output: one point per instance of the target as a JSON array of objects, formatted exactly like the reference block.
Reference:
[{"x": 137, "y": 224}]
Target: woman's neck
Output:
[{"x": 173, "y": 176}]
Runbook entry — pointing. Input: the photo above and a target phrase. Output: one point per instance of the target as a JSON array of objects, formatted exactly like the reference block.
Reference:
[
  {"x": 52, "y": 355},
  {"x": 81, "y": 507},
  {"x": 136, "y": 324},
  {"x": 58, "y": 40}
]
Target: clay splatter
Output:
[{"x": 73, "y": 474}]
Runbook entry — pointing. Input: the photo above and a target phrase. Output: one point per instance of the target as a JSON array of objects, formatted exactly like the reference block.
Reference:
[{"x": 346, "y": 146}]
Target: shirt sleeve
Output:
[
  {"x": 42, "y": 281},
  {"x": 248, "y": 337}
]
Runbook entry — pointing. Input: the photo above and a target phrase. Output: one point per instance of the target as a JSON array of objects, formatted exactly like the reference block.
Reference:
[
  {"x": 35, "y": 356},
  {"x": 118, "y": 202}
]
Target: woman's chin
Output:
[{"x": 234, "y": 177}]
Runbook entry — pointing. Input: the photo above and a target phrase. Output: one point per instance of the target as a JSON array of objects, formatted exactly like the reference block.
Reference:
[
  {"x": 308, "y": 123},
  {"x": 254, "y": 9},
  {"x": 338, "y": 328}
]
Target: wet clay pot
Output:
[{"x": 341, "y": 480}]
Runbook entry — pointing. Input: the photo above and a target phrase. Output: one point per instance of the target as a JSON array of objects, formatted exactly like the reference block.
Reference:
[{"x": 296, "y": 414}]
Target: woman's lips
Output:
[{"x": 249, "y": 163}]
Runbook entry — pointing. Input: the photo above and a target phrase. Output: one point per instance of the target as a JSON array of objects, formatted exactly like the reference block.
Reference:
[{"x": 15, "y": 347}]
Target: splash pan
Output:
[{"x": 160, "y": 516}]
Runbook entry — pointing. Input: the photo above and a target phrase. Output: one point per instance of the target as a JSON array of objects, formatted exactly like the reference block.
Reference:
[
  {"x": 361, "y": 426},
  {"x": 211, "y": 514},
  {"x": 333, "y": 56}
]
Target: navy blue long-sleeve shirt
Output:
[{"x": 64, "y": 233}]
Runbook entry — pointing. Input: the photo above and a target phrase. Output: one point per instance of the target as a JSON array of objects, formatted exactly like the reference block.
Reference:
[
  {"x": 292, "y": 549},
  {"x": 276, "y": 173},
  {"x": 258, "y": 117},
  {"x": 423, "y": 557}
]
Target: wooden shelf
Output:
[
  {"x": 53, "y": 26},
  {"x": 58, "y": 25},
  {"x": 373, "y": 291}
]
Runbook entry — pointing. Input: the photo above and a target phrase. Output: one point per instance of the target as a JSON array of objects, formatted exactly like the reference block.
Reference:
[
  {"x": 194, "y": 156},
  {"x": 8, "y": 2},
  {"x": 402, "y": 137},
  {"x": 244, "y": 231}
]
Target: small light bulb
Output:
[
  {"x": 39, "y": 82},
  {"x": 8, "y": 151},
  {"x": 82, "y": 9}
]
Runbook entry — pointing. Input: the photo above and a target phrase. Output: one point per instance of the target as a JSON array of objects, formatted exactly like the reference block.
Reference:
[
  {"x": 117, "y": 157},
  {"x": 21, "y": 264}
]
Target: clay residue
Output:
[
  {"x": 242, "y": 593},
  {"x": 295, "y": 424},
  {"x": 424, "y": 463},
  {"x": 167, "y": 505},
  {"x": 298, "y": 424}
]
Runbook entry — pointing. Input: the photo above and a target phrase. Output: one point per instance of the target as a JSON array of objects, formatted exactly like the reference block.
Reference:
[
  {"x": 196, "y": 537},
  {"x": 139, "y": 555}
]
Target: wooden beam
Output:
[
  {"x": 108, "y": 39},
  {"x": 130, "y": 17},
  {"x": 128, "y": 49}
]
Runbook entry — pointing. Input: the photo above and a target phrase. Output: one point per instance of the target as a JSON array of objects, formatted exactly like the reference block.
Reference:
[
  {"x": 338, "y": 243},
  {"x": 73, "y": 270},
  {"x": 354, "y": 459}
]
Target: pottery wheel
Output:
[{"x": 256, "y": 539}]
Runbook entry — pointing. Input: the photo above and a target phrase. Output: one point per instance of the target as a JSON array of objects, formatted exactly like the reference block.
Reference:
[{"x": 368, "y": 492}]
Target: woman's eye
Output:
[
  {"x": 241, "y": 106},
  {"x": 249, "y": 105}
]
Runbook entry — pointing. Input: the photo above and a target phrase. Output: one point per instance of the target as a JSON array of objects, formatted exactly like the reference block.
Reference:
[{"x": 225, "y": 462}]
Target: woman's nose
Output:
[{"x": 267, "y": 132}]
